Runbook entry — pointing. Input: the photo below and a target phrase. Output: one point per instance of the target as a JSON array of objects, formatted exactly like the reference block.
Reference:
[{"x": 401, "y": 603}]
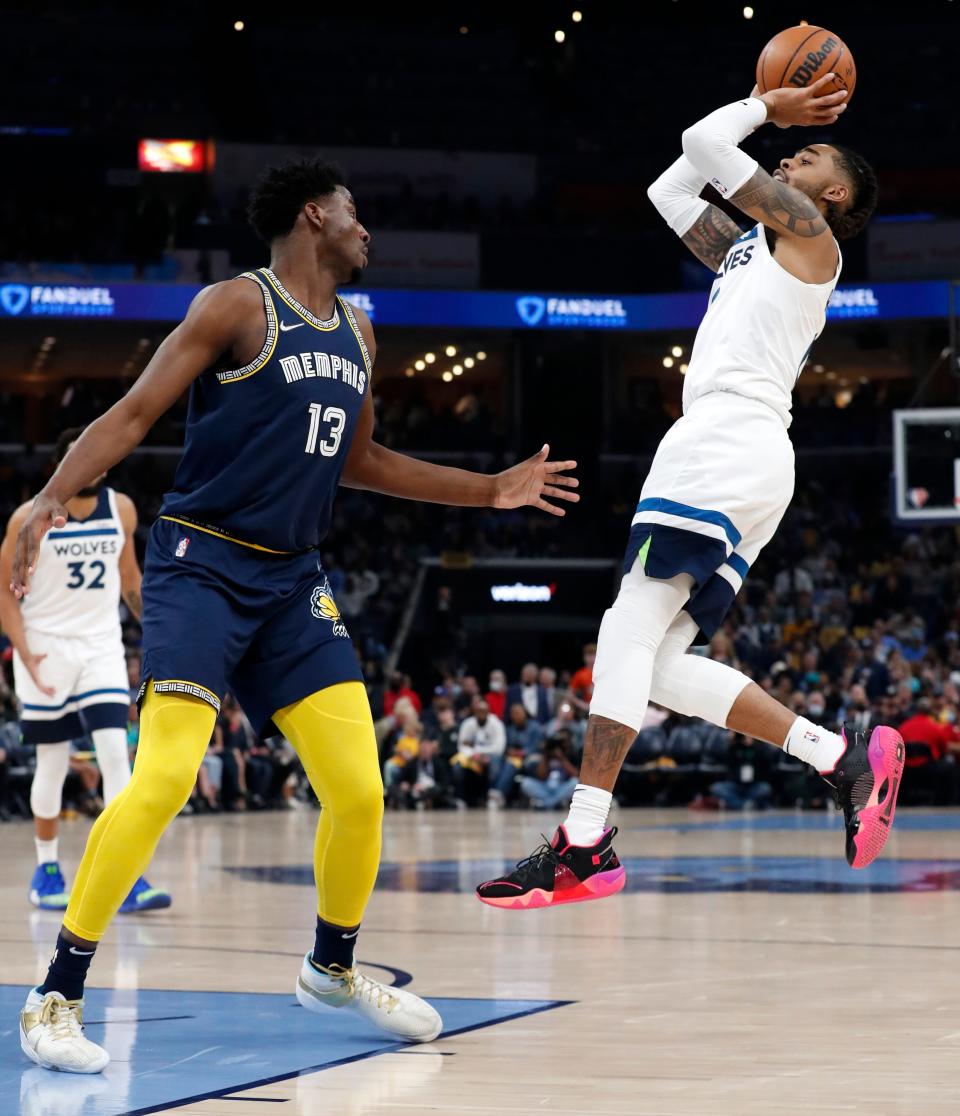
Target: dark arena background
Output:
[{"x": 523, "y": 291}]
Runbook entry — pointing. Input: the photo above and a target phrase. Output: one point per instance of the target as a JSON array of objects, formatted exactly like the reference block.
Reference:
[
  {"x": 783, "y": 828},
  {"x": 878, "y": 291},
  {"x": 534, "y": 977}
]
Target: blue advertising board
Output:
[{"x": 168, "y": 302}]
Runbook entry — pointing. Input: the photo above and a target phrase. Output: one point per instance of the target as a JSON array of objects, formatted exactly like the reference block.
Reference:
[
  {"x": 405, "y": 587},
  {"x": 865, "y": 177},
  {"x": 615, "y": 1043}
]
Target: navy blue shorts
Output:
[{"x": 219, "y": 616}]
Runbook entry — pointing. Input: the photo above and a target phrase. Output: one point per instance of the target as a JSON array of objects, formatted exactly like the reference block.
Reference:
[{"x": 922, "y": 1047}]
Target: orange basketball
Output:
[{"x": 800, "y": 55}]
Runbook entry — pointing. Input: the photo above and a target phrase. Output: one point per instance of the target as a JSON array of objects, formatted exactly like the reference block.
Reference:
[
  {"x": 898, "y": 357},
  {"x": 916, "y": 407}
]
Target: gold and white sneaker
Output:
[
  {"x": 51, "y": 1034},
  {"x": 393, "y": 1010}
]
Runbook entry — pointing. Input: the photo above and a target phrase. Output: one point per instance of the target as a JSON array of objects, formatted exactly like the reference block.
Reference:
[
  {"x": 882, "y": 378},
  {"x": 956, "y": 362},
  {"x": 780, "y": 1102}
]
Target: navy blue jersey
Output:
[{"x": 265, "y": 444}]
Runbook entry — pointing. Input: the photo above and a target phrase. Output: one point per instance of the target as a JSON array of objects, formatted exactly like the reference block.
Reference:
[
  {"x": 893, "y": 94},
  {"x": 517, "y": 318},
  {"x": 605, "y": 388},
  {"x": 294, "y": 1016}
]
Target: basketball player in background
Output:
[
  {"x": 69, "y": 670},
  {"x": 719, "y": 485},
  {"x": 278, "y": 368}
]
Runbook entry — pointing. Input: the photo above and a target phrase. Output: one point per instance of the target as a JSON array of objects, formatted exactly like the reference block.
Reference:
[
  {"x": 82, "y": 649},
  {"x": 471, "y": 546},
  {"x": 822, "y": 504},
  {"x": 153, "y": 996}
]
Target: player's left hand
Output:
[{"x": 536, "y": 482}]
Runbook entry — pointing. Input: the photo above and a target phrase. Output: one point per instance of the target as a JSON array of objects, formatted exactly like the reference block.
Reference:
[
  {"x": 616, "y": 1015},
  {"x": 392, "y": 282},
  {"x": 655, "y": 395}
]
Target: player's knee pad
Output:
[
  {"x": 630, "y": 634},
  {"x": 113, "y": 760},
  {"x": 46, "y": 790},
  {"x": 695, "y": 686}
]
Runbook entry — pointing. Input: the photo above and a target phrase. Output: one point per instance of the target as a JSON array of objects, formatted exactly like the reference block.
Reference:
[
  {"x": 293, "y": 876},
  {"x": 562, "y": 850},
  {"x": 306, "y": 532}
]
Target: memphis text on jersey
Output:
[{"x": 323, "y": 366}]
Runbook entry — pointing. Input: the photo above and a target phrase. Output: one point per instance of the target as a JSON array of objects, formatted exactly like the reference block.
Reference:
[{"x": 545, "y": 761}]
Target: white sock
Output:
[
  {"x": 813, "y": 744},
  {"x": 46, "y": 850},
  {"x": 588, "y": 815}
]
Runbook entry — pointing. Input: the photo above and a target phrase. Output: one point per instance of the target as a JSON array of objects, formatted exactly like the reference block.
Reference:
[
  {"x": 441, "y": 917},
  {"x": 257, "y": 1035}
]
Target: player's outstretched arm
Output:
[
  {"x": 536, "y": 481},
  {"x": 210, "y": 329}
]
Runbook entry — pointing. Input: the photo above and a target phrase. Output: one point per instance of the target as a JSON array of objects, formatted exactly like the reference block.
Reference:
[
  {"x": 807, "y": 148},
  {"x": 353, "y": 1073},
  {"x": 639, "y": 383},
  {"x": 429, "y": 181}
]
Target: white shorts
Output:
[
  {"x": 718, "y": 487},
  {"x": 90, "y": 687}
]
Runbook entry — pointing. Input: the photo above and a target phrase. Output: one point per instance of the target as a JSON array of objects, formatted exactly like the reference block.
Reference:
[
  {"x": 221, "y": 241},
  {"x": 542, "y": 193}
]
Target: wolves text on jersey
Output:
[
  {"x": 323, "y": 366},
  {"x": 65, "y": 548}
]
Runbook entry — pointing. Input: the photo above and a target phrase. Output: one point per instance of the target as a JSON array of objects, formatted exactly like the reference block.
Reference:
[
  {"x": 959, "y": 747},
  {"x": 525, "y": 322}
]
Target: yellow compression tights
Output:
[
  {"x": 174, "y": 732},
  {"x": 332, "y": 731}
]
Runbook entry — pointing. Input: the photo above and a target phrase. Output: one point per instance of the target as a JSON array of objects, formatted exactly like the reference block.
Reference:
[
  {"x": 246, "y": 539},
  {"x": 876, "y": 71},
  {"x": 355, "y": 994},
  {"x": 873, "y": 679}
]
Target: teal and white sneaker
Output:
[
  {"x": 48, "y": 888},
  {"x": 143, "y": 897}
]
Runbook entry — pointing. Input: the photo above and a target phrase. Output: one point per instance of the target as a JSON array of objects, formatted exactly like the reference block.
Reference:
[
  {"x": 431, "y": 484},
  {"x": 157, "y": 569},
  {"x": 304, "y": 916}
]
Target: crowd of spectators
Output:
[{"x": 844, "y": 618}]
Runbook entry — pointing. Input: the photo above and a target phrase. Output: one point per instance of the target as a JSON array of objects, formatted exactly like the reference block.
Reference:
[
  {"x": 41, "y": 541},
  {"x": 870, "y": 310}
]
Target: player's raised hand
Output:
[
  {"x": 44, "y": 514},
  {"x": 807, "y": 106},
  {"x": 537, "y": 482}
]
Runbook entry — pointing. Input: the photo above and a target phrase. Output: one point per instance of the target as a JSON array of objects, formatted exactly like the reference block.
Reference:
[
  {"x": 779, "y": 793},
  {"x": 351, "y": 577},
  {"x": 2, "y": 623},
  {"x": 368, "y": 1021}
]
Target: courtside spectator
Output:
[
  {"x": 398, "y": 686},
  {"x": 530, "y": 694},
  {"x": 553, "y": 777},
  {"x": 425, "y": 781},
  {"x": 746, "y": 783},
  {"x": 581, "y": 684},
  {"x": 931, "y": 749},
  {"x": 481, "y": 744},
  {"x": 548, "y": 680},
  {"x": 496, "y": 695}
]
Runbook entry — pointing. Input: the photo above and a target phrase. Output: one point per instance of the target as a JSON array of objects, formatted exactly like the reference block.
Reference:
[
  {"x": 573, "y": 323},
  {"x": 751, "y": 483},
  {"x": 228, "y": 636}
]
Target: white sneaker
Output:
[
  {"x": 397, "y": 1012},
  {"x": 51, "y": 1034}
]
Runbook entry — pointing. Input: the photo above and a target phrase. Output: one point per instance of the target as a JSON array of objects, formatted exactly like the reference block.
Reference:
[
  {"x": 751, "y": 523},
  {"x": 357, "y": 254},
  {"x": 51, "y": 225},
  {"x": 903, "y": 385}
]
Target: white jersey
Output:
[
  {"x": 758, "y": 329},
  {"x": 75, "y": 589}
]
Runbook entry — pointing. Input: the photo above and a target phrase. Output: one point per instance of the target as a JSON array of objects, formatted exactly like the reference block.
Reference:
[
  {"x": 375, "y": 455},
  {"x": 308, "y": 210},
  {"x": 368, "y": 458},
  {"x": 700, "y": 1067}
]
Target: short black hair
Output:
[
  {"x": 66, "y": 439},
  {"x": 847, "y": 223},
  {"x": 282, "y": 191}
]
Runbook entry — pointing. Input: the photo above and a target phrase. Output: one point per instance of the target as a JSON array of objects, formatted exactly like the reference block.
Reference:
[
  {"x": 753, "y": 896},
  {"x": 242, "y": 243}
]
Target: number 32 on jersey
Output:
[{"x": 337, "y": 418}]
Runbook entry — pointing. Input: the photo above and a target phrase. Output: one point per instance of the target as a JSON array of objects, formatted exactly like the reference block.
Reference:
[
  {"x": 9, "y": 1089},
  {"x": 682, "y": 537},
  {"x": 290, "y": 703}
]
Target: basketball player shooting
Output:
[
  {"x": 278, "y": 368},
  {"x": 719, "y": 485}
]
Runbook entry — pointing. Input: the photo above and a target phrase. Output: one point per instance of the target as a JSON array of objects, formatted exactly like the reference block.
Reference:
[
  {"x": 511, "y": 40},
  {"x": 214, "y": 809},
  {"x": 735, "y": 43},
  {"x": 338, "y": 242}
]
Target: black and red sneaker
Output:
[
  {"x": 866, "y": 780},
  {"x": 558, "y": 872}
]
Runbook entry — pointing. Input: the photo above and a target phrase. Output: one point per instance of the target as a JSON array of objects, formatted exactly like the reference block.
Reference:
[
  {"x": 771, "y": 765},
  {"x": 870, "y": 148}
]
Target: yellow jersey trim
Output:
[
  {"x": 269, "y": 342},
  {"x": 218, "y": 534},
  {"x": 354, "y": 325},
  {"x": 299, "y": 308}
]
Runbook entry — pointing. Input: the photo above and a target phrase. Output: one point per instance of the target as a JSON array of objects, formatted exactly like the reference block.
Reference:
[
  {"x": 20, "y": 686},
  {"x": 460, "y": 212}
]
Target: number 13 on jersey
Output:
[{"x": 337, "y": 419}]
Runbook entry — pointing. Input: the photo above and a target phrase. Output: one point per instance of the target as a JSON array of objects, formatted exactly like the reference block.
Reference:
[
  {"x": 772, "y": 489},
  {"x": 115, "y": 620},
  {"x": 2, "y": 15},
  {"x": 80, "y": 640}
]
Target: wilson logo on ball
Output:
[{"x": 812, "y": 62}]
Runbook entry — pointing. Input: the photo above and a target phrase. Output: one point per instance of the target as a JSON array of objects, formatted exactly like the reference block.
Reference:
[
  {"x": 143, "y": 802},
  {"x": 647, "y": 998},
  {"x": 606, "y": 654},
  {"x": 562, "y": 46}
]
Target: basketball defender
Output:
[
  {"x": 234, "y": 597},
  {"x": 719, "y": 485},
  {"x": 68, "y": 664}
]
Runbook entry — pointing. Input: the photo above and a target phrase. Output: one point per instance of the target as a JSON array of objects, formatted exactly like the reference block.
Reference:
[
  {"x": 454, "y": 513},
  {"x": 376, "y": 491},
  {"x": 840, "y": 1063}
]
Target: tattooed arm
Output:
[
  {"x": 805, "y": 245},
  {"x": 706, "y": 230},
  {"x": 710, "y": 236}
]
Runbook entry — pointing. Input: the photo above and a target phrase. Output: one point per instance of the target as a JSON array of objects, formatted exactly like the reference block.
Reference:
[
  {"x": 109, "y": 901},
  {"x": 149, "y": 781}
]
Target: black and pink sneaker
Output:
[
  {"x": 866, "y": 780},
  {"x": 558, "y": 872}
]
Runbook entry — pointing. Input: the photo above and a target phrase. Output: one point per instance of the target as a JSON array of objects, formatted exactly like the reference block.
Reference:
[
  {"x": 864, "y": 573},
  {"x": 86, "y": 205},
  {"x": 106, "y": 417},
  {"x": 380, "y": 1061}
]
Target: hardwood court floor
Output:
[{"x": 746, "y": 970}]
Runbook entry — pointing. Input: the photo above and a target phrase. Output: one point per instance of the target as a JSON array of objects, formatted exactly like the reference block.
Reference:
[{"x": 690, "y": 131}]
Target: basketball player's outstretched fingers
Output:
[
  {"x": 543, "y": 505},
  {"x": 560, "y": 494},
  {"x": 559, "y": 478}
]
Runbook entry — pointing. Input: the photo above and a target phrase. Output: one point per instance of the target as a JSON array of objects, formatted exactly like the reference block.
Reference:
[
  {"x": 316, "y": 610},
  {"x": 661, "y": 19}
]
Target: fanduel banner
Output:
[{"x": 519, "y": 310}]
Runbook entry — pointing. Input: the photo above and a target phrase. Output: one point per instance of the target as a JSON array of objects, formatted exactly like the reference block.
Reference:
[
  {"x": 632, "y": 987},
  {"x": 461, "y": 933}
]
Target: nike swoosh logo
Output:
[
  {"x": 82, "y": 952},
  {"x": 353, "y": 935},
  {"x": 284, "y": 328}
]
